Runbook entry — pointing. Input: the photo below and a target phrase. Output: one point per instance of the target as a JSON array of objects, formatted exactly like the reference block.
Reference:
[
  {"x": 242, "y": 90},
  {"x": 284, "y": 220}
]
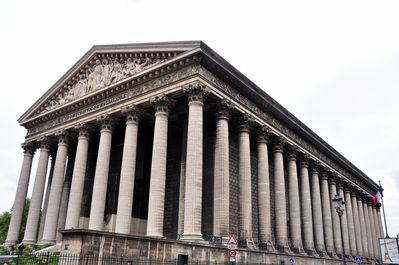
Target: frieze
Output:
[{"x": 102, "y": 71}]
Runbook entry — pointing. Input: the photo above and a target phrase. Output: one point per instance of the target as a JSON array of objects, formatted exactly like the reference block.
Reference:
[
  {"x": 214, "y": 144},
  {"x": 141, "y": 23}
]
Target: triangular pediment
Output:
[{"x": 102, "y": 67}]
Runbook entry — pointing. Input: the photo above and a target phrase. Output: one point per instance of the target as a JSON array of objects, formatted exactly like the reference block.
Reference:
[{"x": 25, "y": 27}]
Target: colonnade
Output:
[{"x": 294, "y": 190}]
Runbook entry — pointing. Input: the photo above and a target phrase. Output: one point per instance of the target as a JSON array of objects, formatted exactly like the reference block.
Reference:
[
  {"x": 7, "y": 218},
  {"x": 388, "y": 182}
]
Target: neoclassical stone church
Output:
[{"x": 162, "y": 150}]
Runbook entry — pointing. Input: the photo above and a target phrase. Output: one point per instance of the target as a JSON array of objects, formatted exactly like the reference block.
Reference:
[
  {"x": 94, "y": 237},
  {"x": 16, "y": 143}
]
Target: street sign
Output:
[
  {"x": 232, "y": 253},
  {"x": 358, "y": 259},
  {"x": 232, "y": 246},
  {"x": 292, "y": 261},
  {"x": 232, "y": 241},
  {"x": 232, "y": 259}
]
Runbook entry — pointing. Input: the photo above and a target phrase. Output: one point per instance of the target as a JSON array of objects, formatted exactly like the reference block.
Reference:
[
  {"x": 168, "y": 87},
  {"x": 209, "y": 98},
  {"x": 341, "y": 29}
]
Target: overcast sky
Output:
[{"x": 332, "y": 64}]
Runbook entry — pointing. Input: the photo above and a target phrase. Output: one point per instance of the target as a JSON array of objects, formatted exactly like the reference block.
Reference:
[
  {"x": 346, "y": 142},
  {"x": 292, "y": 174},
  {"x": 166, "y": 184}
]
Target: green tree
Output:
[{"x": 5, "y": 222}]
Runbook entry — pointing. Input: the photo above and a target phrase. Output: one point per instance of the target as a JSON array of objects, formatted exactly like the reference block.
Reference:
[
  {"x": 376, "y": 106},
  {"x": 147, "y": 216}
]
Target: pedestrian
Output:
[
  {"x": 34, "y": 247},
  {"x": 12, "y": 249},
  {"x": 21, "y": 248}
]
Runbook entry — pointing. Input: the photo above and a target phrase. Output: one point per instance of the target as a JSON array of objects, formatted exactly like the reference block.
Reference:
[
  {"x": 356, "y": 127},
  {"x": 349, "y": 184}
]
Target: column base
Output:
[
  {"x": 10, "y": 242},
  {"x": 192, "y": 237},
  {"x": 29, "y": 241},
  {"x": 47, "y": 241}
]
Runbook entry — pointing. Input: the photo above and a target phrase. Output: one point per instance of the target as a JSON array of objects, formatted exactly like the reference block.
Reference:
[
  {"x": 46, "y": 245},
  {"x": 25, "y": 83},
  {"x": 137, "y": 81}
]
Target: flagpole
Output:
[{"x": 383, "y": 213}]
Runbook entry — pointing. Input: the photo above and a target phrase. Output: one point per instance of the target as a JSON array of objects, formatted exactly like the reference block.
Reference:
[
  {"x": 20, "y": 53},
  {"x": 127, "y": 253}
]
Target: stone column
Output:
[
  {"x": 326, "y": 209},
  {"x": 182, "y": 186},
  {"x": 306, "y": 203},
  {"x": 317, "y": 213},
  {"x": 97, "y": 209},
  {"x": 244, "y": 176},
  {"x": 374, "y": 239},
  {"x": 363, "y": 226},
  {"x": 356, "y": 221},
  {"x": 334, "y": 215},
  {"x": 279, "y": 193},
  {"x": 128, "y": 170},
  {"x": 221, "y": 191},
  {"x": 193, "y": 198},
  {"x": 156, "y": 204},
  {"x": 293, "y": 198},
  {"x": 350, "y": 221},
  {"x": 382, "y": 232},
  {"x": 20, "y": 196},
  {"x": 78, "y": 176},
  {"x": 344, "y": 219},
  {"x": 368, "y": 227},
  {"x": 51, "y": 222},
  {"x": 265, "y": 228},
  {"x": 377, "y": 223},
  {"x": 65, "y": 194},
  {"x": 37, "y": 193}
]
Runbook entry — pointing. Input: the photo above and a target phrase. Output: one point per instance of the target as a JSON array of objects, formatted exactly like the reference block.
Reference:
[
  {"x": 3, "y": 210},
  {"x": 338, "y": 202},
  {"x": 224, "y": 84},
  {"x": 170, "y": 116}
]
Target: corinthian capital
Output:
[
  {"x": 278, "y": 144},
  {"x": 85, "y": 129},
  {"x": 196, "y": 91},
  {"x": 29, "y": 148},
  {"x": 245, "y": 122},
  {"x": 107, "y": 122},
  {"x": 223, "y": 109},
  {"x": 263, "y": 134},
  {"x": 63, "y": 136},
  {"x": 162, "y": 103},
  {"x": 132, "y": 113}
]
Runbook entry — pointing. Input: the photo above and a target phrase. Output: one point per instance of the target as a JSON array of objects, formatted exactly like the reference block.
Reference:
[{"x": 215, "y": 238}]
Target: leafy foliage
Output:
[{"x": 5, "y": 222}]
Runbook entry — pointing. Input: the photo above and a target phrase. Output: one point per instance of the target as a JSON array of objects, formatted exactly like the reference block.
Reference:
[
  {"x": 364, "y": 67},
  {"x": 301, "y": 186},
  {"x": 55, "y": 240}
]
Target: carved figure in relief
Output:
[
  {"x": 116, "y": 71},
  {"x": 130, "y": 67},
  {"x": 107, "y": 65},
  {"x": 81, "y": 87}
]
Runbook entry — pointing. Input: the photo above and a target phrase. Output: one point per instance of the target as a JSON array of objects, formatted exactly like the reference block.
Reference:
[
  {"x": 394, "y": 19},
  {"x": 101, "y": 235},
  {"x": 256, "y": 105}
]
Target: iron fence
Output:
[{"x": 80, "y": 259}]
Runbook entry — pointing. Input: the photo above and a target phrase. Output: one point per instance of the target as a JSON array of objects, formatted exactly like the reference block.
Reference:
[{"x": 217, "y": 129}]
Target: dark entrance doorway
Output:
[{"x": 182, "y": 259}]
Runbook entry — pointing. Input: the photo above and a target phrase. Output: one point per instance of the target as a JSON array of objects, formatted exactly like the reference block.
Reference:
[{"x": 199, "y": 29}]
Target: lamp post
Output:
[{"x": 339, "y": 206}]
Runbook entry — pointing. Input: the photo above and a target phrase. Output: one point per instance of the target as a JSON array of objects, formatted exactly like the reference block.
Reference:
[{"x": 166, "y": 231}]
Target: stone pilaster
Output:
[
  {"x": 51, "y": 222},
  {"x": 78, "y": 176},
  {"x": 37, "y": 192},
  {"x": 265, "y": 229},
  {"x": 97, "y": 211},
  {"x": 350, "y": 221},
  {"x": 326, "y": 209},
  {"x": 156, "y": 204},
  {"x": 356, "y": 222},
  {"x": 306, "y": 203},
  {"x": 244, "y": 176},
  {"x": 194, "y": 163},
  {"x": 128, "y": 169},
  {"x": 20, "y": 196},
  {"x": 221, "y": 197},
  {"x": 317, "y": 213},
  {"x": 293, "y": 198},
  {"x": 281, "y": 230}
]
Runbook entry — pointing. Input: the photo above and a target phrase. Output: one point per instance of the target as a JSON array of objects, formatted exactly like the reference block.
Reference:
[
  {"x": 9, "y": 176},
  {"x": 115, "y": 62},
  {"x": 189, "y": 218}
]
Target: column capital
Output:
[
  {"x": 196, "y": 91},
  {"x": 223, "y": 109},
  {"x": 162, "y": 103},
  {"x": 324, "y": 173},
  {"x": 292, "y": 152},
  {"x": 278, "y": 144},
  {"x": 107, "y": 122},
  {"x": 85, "y": 129},
  {"x": 303, "y": 159},
  {"x": 245, "y": 122},
  {"x": 132, "y": 113},
  {"x": 262, "y": 135},
  {"x": 63, "y": 136},
  {"x": 29, "y": 148},
  {"x": 45, "y": 142},
  {"x": 314, "y": 167}
]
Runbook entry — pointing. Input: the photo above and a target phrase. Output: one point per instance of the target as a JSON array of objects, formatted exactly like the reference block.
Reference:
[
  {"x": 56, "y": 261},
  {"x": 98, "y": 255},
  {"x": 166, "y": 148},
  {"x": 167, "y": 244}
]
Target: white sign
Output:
[
  {"x": 389, "y": 250},
  {"x": 232, "y": 259}
]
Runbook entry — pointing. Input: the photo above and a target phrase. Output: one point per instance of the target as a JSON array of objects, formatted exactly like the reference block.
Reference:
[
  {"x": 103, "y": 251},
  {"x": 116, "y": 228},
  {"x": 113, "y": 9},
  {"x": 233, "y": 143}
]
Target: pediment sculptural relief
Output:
[{"x": 103, "y": 72}]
